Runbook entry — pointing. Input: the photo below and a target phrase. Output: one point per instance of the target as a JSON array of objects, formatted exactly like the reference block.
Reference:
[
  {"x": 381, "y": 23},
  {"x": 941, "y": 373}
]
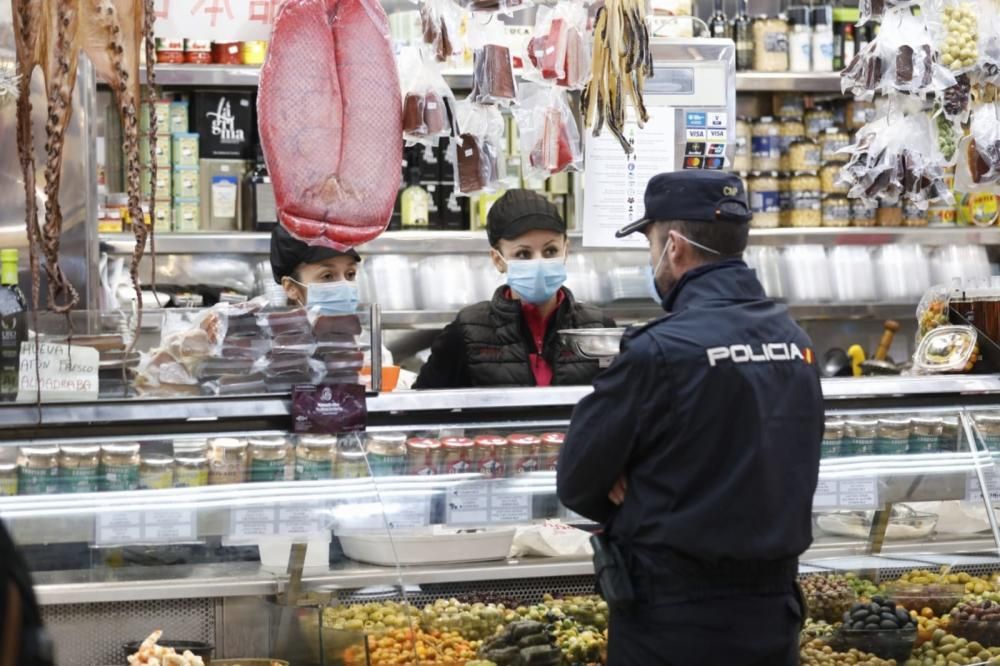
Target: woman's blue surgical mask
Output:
[
  {"x": 536, "y": 280},
  {"x": 340, "y": 297}
]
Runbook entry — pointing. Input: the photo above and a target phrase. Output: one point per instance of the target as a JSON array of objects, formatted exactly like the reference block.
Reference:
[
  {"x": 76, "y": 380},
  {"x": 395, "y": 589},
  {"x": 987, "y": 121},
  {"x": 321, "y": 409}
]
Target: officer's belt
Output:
[{"x": 672, "y": 573}]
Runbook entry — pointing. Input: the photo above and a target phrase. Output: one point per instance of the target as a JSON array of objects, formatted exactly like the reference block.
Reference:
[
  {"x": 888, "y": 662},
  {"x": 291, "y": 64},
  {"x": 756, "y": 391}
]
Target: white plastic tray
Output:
[{"x": 427, "y": 546}]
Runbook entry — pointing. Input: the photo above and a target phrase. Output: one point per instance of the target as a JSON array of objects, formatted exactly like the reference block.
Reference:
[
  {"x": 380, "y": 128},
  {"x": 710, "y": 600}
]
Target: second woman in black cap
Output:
[{"x": 513, "y": 339}]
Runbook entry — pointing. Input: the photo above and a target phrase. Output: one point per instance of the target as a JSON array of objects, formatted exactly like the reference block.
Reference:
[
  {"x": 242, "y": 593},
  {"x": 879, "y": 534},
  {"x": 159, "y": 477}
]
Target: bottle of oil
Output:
[
  {"x": 415, "y": 204},
  {"x": 13, "y": 324}
]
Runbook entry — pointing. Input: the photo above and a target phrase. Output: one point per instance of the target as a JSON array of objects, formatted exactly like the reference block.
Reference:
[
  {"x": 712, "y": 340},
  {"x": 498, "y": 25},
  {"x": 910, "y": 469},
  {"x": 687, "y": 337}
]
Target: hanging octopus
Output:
[{"x": 50, "y": 34}]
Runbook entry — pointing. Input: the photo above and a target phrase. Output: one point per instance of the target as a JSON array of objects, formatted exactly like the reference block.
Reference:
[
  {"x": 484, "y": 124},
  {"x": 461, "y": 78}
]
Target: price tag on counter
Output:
[
  {"x": 468, "y": 504},
  {"x": 856, "y": 493},
  {"x": 510, "y": 507},
  {"x": 298, "y": 520},
  {"x": 124, "y": 528}
]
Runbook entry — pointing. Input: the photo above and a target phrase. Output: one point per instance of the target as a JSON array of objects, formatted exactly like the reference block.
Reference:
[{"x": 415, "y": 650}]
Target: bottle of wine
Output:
[
  {"x": 13, "y": 324},
  {"x": 718, "y": 25},
  {"x": 743, "y": 36}
]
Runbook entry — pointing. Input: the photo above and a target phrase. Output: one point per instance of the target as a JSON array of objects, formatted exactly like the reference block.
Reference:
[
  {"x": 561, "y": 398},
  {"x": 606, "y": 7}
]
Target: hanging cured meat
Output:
[
  {"x": 330, "y": 120},
  {"x": 50, "y": 34}
]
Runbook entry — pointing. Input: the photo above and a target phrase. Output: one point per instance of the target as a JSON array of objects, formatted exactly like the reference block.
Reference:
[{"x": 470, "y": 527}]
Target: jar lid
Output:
[
  {"x": 198, "y": 45},
  {"x": 822, "y": 15},
  {"x": 835, "y": 427},
  {"x": 387, "y": 438},
  {"x": 268, "y": 442},
  {"x": 799, "y": 15},
  {"x": 861, "y": 423},
  {"x": 423, "y": 443},
  {"x": 227, "y": 443},
  {"x": 554, "y": 438},
  {"x": 8, "y": 467},
  {"x": 522, "y": 439},
  {"x": 457, "y": 442},
  {"x": 351, "y": 454},
  {"x": 192, "y": 459},
  {"x": 80, "y": 449},
  {"x": 157, "y": 460},
  {"x": 765, "y": 119},
  {"x": 164, "y": 44},
  {"x": 121, "y": 448},
  {"x": 894, "y": 426},
  {"x": 834, "y": 130},
  {"x": 317, "y": 441},
  {"x": 190, "y": 445},
  {"x": 491, "y": 440}
]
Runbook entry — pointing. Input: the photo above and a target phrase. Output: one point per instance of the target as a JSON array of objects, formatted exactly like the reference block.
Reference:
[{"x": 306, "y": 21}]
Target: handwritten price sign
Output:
[{"x": 217, "y": 20}]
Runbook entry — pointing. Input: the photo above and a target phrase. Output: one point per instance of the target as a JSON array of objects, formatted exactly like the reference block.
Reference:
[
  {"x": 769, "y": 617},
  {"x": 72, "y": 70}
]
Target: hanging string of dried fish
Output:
[
  {"x": 149, "y": 17},
  {"x": 622, "y": 62}
]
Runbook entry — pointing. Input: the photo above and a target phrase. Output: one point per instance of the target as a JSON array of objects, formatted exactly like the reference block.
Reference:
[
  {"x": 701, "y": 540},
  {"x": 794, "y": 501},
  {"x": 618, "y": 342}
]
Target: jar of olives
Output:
[
  {"x": 742, "y": 160},
  {"x": 350, "y": 460},
  {"x": 314, "y": 457},
  {"x": 913, "y": 216},
  {"x": 817, "y": 122},
  {"x": 387, "y": 454},
  {"x": 38, "y": 470},
  {"x": 804, "y": 209},
  {"x": 784, "y": 201},
  {"x": 548, "y": 455},
  {"x": 926, "y": 434},
  {"x": 765, "y": 200},
  {"x": 78, "y": 468},
  {"x": 949, "y": 433},
  {"x": 859, "y": 436},
  {"x": 268, "y": 458},
  {"x": 8, "y": 479},
  {"x": 790, "y": 131},
  {"x": 119, "y": 466},
  {"x": 988, "y": 426},
  {"x": 491, "y": 452},
  {"x": 523, "y": 453},
  {"x": 829, "y": 176},
  {"x": 156, "y": 471},
  {"x": 459, "y": 455},
  {"x": 766, "y": 145},
  {"x": 788, "y": 105},
  {"x": 862, "y": 213},
  {"x": 832, "y": 141},
  {"x": 424, "y": 456},
  {"x": 227, "y": 461},
  {"x": 836, "y": 211},
  {"x": 859, "y": 113},
  {"x": 190, "y": 469},
  {"x": 893, "y": 436},
  {"x": 770, "y": 40},
  {"x": 804, "y": 155},
  {"x": 833, "y": 439}
]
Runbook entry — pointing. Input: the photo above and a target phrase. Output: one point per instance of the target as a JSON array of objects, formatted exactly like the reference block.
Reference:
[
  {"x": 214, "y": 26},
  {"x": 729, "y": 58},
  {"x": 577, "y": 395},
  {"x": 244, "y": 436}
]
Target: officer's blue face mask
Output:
[
  {"x": 651, "y": 272},
  {"x": 340, "y": 297},
  {"x": 536, "y": 280}
]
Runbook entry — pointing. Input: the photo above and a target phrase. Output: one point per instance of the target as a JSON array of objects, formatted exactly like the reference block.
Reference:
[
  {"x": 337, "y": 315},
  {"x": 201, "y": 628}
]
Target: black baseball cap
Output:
[
  {"x": 520, "y": 211},
  {"x": 693, "y": 196},
  {"x": 288, "y": 253}
]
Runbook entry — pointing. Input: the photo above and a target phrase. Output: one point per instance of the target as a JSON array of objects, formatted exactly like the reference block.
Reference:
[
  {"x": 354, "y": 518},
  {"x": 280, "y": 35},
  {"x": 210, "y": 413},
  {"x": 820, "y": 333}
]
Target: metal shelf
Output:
[
  {"x": 474, "y": 242},
  {"x": 461, "y": 79}
]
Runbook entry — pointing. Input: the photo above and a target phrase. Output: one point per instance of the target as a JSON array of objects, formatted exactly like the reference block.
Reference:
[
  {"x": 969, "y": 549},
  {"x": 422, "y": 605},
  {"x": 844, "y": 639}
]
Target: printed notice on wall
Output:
[
  {"x": 66, "y": 373},
  {"x": 215, "y": 20},
  {"x": 615, "y": 183}
]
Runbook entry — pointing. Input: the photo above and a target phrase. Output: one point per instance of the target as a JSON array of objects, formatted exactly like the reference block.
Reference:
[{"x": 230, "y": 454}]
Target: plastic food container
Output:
[
  {"x": 435, "y": 545},
  {"x": 885, "y": 643},
  {"x": 940, "y": 598},
  {"x": 946, "y": 349},
  {"x": 986, "y": 632}
]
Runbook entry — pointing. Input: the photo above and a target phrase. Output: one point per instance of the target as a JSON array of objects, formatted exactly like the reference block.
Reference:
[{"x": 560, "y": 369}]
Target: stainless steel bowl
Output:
[{"x": 596, "y": 343}]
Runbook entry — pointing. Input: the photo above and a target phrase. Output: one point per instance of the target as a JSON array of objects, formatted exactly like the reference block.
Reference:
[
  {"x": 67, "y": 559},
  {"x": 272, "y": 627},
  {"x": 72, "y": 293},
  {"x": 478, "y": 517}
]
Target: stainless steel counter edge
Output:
[
  {"x": 474, "y": 242},
  {"x": 269, "y": 406}
]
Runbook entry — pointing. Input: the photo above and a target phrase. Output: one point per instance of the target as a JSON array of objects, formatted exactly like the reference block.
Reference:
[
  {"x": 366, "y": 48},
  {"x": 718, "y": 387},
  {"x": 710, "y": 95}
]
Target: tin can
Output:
[
  {"x": 156, "y": 472},
  {"x": 227, "y": 53},
  {"x": 314, "y": 458},
  {"x": 190, "y": 469},
  {"x": 254, "y": 52},
  {"x": 459, "y": 455},
  {"x": 268, "y": 458},
  {"x": 198, "y": 51},
  {"x": 387, "y": 454},
  {"x": 523, "y": 453},
  {"x": 78, "y": 468},
  {"x": 119, "y": 467},
  {"x": 491, "y": 456},
  {"x": 169, "y": 51},
  {"x": 424, "y": 456},
  {"x": 227, "y": 461},
  {"x": 548, "y": 454}
]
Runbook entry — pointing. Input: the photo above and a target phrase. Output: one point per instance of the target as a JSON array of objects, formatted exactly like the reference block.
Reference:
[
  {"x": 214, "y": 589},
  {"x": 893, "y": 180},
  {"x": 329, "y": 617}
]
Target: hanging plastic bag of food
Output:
[
  {"x": 988, "y": 28},
  {"x": 896, "y": 157},
  {"x": 502, "y": 6},
  {"x": 954, "y": 25},
  {"x": 558, "y": 51},
  {"x": 492, "y": 68},
  {"x": 549, "y": 136},
  {"x": 428, "y": 103},
  {"x": 441, "y": 23},
  {"x": 478, "y": 153},
  {"x": 978, "y": 167},
  {"x": 903, "y": 58},
  {"x": 876, "y": 9}
]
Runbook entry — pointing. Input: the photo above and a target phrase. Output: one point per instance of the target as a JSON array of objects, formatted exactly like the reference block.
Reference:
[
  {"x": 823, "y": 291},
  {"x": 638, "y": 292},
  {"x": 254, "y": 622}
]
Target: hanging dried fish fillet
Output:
[{"x": 622, "y": 61}]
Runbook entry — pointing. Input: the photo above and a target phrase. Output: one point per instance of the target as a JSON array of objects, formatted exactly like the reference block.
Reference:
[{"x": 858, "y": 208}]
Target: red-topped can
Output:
[
  {"x": 491, "y": 452},
  {"x": 459, "y": 455},
  {"x": 227, "y": 53},
  {"x": 548, "y": 455},
  {"x": 523, "y": 453},
  {"x": 424, "y": 456},
  {"x": 198, "y": 51},
  {"x": 169, "y": 51}
]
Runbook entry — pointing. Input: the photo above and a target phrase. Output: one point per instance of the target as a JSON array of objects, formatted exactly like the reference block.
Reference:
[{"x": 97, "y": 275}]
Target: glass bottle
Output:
[
  {"x": 799, "y": 39},
  {"x": 13, "y": 324},
  {"x": 415, "y": 204},
  {"x": 743, "y": 36},
  {"x": 849, "y": 45},
  {"x": 260, "y": 212},
  {"x": 718, "y": 25},
  {"x": 822, "y": 39}
]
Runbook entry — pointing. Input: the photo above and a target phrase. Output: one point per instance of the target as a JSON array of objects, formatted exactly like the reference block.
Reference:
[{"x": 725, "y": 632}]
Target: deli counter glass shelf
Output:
[{"x": 187, "y": 515}]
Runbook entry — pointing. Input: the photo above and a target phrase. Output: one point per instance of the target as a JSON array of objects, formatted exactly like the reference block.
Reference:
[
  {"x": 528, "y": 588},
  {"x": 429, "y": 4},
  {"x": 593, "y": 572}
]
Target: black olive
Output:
[
  {"x": 888, "y": 624},
  {"x": 903, "y": 615}
]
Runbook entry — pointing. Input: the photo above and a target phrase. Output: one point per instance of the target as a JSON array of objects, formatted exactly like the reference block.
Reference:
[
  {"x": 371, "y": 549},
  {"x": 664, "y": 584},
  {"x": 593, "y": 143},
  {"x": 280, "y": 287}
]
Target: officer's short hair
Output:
[{"x": 729, "y": 238}]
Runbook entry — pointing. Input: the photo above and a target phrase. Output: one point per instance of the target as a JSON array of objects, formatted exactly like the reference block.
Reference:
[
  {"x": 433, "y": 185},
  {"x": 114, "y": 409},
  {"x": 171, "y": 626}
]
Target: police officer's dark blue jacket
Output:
[{"x": 714, "y": 414}]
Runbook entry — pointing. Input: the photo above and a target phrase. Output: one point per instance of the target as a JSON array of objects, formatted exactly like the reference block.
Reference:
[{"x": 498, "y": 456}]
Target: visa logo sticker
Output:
[
  {"x": 717, "y": 119},
  {"x": 695, "y": 135},
  {"x": 718, "y": 135},
  {"x": 696, "y": 119}
]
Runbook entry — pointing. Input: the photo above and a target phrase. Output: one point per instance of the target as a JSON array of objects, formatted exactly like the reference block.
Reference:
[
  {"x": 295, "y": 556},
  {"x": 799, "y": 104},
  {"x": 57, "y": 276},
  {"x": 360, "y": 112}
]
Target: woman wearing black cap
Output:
[
  {"x": 513, "y": 339},
  {"x": 313, "y": 275}
]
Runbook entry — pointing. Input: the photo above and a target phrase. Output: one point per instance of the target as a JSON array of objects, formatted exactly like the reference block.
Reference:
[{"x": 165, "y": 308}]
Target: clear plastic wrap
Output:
[
  {"x": 440, "y": 22},
  {"x": 428, "y": 103},
  {"x": 989, "y": 43},
  {"x": 549, "y": 136},
  {"x": 896, "y": 157},
  {"x": 955, "y": 27},
  {"x": 978, "y": 165},
  {"x": 502, "y": 6},
  {"x": 876, "y": 9},
  {"x": 902, "y": 59},
  {"x": 493, "y": 79},
  {"x": 559, "y": 50},
  {"x": 478, "y": 154}
]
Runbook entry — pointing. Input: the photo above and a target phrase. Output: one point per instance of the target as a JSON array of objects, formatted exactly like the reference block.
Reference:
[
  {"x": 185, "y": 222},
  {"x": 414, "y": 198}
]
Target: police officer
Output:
[{"x": 699, "y": 447}]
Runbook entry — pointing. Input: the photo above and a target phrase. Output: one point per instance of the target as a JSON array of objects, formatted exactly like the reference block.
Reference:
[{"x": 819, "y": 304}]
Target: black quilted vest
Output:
[{"x": 498, "y": 342}]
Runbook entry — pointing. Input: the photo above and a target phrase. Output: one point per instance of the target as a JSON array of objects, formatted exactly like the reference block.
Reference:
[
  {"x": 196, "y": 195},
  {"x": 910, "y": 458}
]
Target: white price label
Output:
[
  {"x": 974, "y": 491},
  {"x": 857, "y": 493},
  {"x": 468, "y": 503},
  {"x": 510, "y": 507},
  {"x": 121, "y": 528},
  {"x": 826, "y": 495},
  {"x": 255, "y": 522}
]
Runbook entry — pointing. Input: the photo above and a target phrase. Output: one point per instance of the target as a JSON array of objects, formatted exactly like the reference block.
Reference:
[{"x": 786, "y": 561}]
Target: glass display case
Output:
[{"x": 210, "y": 519}]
